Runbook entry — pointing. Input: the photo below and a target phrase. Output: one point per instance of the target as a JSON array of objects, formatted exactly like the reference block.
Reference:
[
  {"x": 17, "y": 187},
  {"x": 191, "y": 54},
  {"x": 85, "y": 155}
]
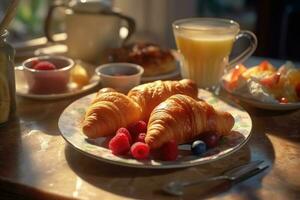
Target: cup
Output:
[
  {"x": 120, "y": 76},
  {"x": 90, "y": 31},
  {"x": 47, "y": 81},
  {"x": 205, "y": 45}
]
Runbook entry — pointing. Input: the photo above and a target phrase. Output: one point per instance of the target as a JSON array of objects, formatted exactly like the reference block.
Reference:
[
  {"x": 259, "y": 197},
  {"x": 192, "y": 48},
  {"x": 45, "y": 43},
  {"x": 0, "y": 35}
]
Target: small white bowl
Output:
[
  {"x": 47, "y": 81},
  {"x": 120, "y": 76}
]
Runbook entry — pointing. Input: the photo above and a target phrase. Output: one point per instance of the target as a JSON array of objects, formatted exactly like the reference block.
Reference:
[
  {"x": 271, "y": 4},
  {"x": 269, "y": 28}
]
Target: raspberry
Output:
[
  {"x": 140, "y": 150},
  {"x": 169, "y": 151},
  {"x": 34, "y": 62},
  {"x": 211, "y": 139},
  {"x": 156, "y": 154},
  {"x": 297, "y": 89},
  {"x": 119, "y": 144},
  {"x": 141, "y": 137},
  {"x": 126, "y": 132},
  {"x": 44, "y": 65},
  {"x": 138, "y": 127}
]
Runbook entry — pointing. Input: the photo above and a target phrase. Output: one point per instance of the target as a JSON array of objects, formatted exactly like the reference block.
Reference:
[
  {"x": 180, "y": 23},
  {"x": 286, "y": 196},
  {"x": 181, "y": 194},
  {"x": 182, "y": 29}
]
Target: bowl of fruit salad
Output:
[
  {"x": 47, "y": 74},
  {"x": 265, "y": 86}
]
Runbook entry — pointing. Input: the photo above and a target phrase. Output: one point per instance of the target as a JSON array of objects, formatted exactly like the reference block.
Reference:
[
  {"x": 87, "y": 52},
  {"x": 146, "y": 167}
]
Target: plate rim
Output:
[
  {"x": 95, "y": 82},
  {"x": 172, "y": 74},
  {"x": 175, "y": 166},
  {"x": 169, "y": 166},
  {"x": 255, "y": 102},
  {"x": 261, "y": 104}
]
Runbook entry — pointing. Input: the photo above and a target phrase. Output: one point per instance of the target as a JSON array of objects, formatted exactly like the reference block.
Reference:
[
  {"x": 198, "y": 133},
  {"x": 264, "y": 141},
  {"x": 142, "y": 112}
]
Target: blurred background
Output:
[{"x": 274, "y": 22}]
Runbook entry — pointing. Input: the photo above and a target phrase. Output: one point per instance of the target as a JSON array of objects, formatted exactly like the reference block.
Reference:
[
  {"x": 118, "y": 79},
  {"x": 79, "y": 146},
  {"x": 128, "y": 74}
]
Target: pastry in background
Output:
[{"x": 154, "y": 59}]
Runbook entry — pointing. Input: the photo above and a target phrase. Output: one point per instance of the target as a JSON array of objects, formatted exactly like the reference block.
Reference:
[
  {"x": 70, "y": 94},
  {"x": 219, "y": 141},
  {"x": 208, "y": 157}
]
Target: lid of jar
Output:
[{"x": 92, "y": 6}]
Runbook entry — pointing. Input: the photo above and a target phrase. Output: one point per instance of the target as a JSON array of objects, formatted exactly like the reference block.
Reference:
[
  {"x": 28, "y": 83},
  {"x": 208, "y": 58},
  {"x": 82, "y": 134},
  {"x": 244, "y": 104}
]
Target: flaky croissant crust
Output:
[
  {"x": 108, "y": 112},
  {"x": 149, "y": 95},
  {"x": 182, "y": 118},
  {"x": 111, "y": 110}
]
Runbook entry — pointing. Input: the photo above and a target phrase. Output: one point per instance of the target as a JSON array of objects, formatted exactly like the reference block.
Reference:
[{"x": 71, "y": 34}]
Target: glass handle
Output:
[{"x": 244, "y": 55}]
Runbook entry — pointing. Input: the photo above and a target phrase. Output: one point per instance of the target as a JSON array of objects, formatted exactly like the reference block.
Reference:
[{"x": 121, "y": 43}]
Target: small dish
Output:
[
  {"x": 47, "y": 74},
  {"x": 167, "y": 76},
  {"x": 22, "y": 87},
  {"x": 120, "y": 76},
  {"x": 260, "y": 104},
  {"x": 264, "y": 85}
]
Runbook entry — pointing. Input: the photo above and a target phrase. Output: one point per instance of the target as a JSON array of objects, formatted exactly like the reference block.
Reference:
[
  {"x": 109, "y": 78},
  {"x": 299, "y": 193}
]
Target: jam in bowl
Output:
[
  {"x": 120, "y": 76},
  {"x": 47, "y": 74}
]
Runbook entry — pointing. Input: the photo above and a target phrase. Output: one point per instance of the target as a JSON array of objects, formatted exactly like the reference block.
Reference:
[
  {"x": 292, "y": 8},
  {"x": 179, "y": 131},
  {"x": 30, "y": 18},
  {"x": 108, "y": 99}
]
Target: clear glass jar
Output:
[{"x": 7, "y": 79}]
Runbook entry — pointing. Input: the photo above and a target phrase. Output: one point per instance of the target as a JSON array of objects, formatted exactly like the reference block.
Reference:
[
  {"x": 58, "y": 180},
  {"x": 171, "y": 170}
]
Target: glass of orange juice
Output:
[{"x": 205, "y": 45}]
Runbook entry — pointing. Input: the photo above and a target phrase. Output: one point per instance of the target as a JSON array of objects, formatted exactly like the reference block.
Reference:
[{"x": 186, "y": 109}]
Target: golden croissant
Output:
[
  {"x": 182, "y": 118},
  {"x": 98, "y": 96},
  {"x": 149, "y": 95},
  {"x": 109, "y": 111}
]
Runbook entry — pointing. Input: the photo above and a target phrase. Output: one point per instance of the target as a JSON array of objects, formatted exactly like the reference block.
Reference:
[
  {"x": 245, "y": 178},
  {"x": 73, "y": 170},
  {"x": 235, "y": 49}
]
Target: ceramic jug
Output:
[{"x": 92, "y": 27}]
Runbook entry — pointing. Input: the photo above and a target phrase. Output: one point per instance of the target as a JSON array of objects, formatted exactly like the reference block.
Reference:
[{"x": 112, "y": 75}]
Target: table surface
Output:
[{"x": 36, "y": 162}]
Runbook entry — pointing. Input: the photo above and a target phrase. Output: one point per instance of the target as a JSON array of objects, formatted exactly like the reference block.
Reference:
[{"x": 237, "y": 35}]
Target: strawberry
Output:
[
  {"x": 265, "y": 66},
  {"x": 236, "y": 73},
  {"x": 271, "y": 81}
]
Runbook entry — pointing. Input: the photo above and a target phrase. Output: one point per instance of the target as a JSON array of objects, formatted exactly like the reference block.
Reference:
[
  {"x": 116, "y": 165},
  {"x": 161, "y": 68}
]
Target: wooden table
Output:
[{"x": 36, "y": 162}]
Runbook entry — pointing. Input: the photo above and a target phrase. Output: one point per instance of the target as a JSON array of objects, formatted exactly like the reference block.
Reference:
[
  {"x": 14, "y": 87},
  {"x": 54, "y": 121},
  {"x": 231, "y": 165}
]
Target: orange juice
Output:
[{"x": 204, "y": 56}]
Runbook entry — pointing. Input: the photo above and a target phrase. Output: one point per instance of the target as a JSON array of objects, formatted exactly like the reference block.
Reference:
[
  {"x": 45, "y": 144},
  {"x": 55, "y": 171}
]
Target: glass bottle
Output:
[{"x": 7, "y": 79}]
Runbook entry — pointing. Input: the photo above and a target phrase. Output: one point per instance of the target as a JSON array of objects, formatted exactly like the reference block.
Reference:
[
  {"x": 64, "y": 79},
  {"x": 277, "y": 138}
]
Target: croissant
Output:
[
  {"x": 149, "y": 95},
  {"x": 109, "y": 111},
  {"x": 105, "y": 90},
  {"x": 102, "y": 91},
  {"x": 183, "y": 119}
]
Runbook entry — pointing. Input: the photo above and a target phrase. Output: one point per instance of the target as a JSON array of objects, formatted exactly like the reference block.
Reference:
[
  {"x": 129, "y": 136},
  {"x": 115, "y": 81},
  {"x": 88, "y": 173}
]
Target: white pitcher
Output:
[{"x": 92, "y": 27}]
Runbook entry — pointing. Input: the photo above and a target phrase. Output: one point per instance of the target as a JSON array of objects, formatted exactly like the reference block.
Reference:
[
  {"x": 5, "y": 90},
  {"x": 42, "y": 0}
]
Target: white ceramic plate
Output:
[
  {"x": 167, "y": 76},
  {"x": 261, "y": 104},
  {"x": 255, "y": 102},
  {"x": 69, "y": 125},
  {"x": 23, "y": 90},
  {"x": 264, "y": 105}
]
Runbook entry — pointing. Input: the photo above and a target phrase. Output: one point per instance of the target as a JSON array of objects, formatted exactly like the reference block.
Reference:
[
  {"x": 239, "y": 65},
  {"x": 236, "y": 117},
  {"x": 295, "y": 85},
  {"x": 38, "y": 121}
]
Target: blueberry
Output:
[{"x": 198, "y": 147}]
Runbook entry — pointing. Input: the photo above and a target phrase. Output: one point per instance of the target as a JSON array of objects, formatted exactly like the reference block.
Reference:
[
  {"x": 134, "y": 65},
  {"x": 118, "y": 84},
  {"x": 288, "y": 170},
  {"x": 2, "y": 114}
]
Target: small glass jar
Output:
[{"x": 7, "y": 79}]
